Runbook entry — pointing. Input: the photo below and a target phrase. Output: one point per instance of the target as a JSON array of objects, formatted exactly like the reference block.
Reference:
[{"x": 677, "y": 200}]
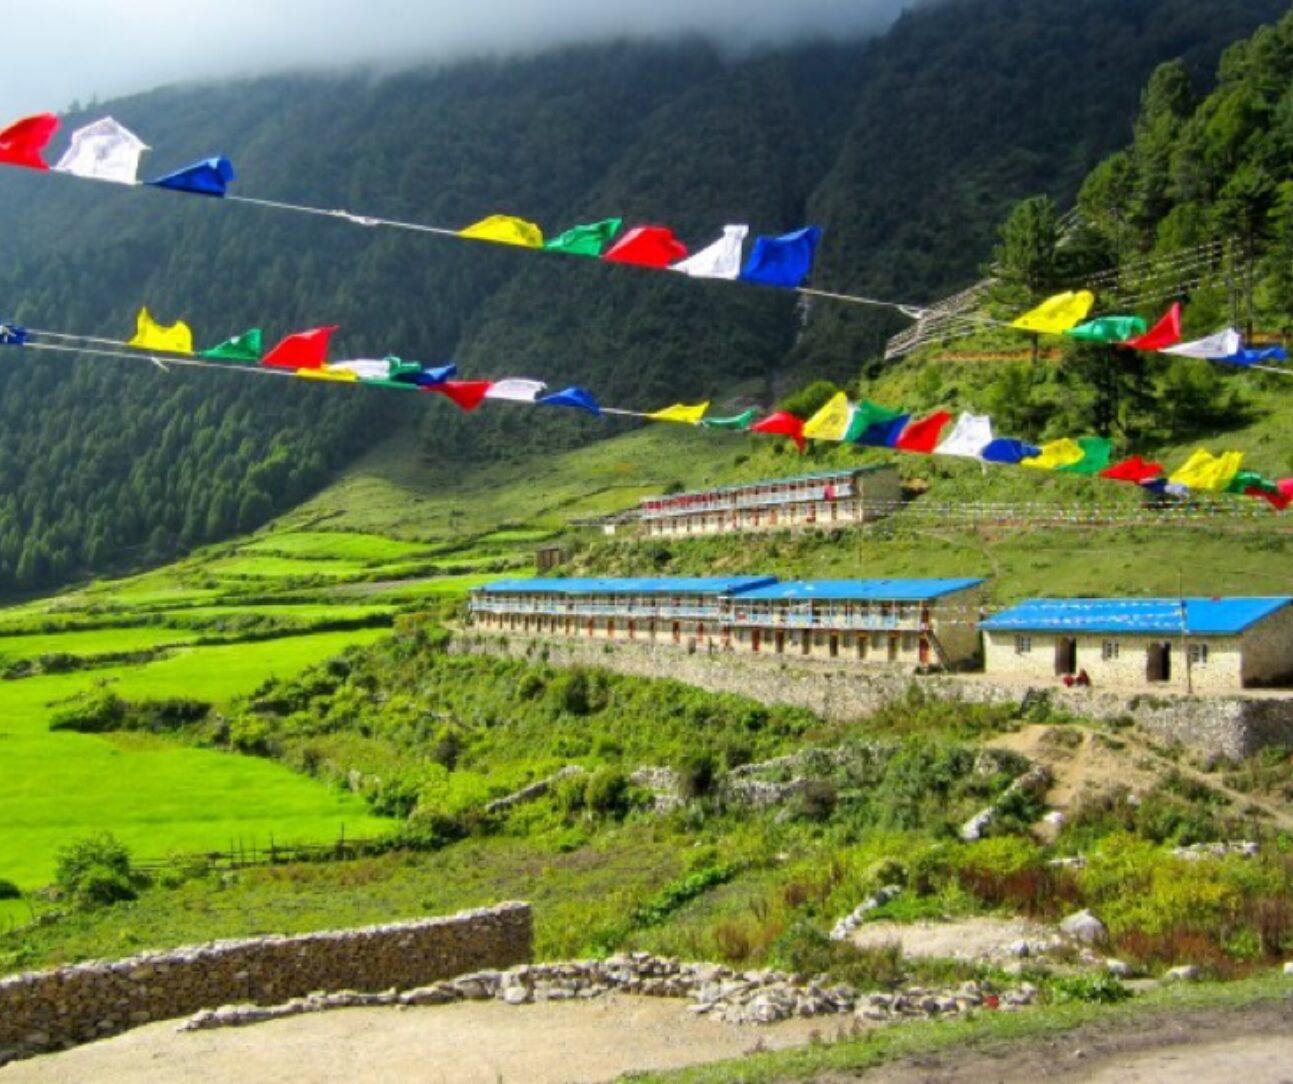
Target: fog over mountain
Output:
[{"x": 82, "y": 49}]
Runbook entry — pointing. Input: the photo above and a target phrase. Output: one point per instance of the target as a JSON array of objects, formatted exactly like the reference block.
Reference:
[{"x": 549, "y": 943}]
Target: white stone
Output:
[
  {"x": 1085, "y": 927},
  {"x": 1184, "y": 973}
]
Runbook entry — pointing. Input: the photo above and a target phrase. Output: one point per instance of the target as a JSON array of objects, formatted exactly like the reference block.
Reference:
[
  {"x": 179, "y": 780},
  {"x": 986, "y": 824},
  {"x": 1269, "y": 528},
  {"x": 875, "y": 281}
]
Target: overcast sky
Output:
[{"x": 60, "y": 50}]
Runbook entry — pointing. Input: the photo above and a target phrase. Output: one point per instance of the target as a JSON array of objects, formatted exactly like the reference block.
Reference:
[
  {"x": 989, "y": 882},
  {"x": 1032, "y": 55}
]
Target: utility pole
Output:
[{"x": 1185, "y": 625}]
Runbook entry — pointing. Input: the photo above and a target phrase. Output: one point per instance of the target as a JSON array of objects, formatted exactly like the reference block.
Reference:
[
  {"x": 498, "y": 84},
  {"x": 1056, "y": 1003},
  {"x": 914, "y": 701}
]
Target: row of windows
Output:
[{"x": 1111, "y": 650}]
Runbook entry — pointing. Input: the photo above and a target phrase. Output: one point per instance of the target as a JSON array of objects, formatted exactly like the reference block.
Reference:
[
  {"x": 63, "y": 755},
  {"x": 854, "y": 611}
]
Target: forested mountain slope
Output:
[{"x": 907, "y": 149}]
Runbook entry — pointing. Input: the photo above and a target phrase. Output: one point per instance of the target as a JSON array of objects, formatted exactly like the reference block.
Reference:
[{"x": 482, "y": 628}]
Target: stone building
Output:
[
  {"x": 1198, "y": 644},
  {"x": 838, "y": 498},
  {"x": 682, "y": 611},
  {"x": 908, "y": 624}
]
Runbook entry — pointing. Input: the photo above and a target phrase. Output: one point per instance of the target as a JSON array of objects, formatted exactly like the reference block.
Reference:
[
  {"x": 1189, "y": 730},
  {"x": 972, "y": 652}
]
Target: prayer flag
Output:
[
  {"x": 466, "y": 395},
  {"x": 1165, "y": 333},
  {"x": 210, "y": 177},
  {"x": 922, "y": 435},
  {"x": 681, "y": 413},
  {"x": 586, "y": 240},
  {"x": 412, "y": 373},
  {"x": 1252, "y": 484},
  {"x": 1220, "y": 345},
  {"x": 1096, "y": 453},
  {"x": 517, "y": 390},
  {"x": 883, "y": 434},
  {"x": 246, "y": 347},
  {"x": 782, "y": 261},
  {"x": 339, "y": 376},
  {"x": 1057, "y": 314},
  {"x": 1109, "y": 329},
  {"x": 1135, "y": 470},
  {"x": 1248, "y": 356},
  {"x": 721, "y": 260},
  {"x": 103, "y": 151},
  {"x": 1008, "y": 450},
  {"x": 782, "y": 424},
  {"x": 505, "y": 230},
  {"x": 865, "y": 416},
  {"x": 647, "y": 246},
  {"x": 12, "y": 335},
  {"x": 304, "y": 350},
  {"x": 363, "y": 368},
  {"x": 578, "y": 398},
  {"x": 832, "y": 421},
  {"x": 737, "y": 421},
  {"x": 1203, "y": 470},
  {"x": 150, "y": 335},
  {"x": 1056, "y": 455},
  {"x": 22, "y": 142},
  {"x": 971, "y": 434}
]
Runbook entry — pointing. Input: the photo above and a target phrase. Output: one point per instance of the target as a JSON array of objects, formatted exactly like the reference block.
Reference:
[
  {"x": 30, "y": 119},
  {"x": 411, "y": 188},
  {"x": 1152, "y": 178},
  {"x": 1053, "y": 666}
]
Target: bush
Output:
[
  {"x": 102, "y": 713},
  {"x": 1099, "y": 989},
  {"x": 806, "y": 950},
  {"x": 9, "y": 890},
  {"x": 696, "y": 775},
  {"x": 96, "y": 871},
  {"x": 607, "y": 792}
]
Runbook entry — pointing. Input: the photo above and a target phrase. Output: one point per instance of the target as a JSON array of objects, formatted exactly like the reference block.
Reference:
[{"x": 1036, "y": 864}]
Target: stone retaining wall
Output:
[
  {"x": 51, "y": 1010},
  {"x": 1230, "y": 726}
]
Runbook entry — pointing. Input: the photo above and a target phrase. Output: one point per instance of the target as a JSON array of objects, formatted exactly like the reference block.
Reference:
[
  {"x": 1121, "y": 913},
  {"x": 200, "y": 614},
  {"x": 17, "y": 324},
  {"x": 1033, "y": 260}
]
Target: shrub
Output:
[
  {"x": 9, "y": 890},
  {"x": 1100, "y": 989},
  {"x": 696, "y": 775},
  {"x": 607, "y": 792},
  {"x": 807, "y": 950},
  {"x": 96, "y": 871},
  {"x": 104, "y": 712}
]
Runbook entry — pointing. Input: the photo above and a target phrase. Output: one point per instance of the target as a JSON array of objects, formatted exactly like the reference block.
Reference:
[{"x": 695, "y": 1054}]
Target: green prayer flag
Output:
[
  {"x": 586, "y": 240},
  {"x": 399, "y": 367},
  {"x": 1109, "y": 329},
  {"x": 738, "y": 421},
  {"x": 1250, "y": 479},
  {"x": 865, "y": 415},
  {"x": 246, "y": 347},
  {"x": 1096, "y": 455}
]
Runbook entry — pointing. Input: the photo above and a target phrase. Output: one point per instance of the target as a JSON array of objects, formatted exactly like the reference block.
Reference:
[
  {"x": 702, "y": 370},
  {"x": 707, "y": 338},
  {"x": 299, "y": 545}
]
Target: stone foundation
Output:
[
  {"x": 51, "y": 1010},
  {"x": 1232, "y": 726}
]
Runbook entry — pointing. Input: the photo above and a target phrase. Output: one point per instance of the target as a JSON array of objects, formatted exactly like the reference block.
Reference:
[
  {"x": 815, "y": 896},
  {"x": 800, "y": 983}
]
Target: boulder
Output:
[{"x": 1083, "y": 926}]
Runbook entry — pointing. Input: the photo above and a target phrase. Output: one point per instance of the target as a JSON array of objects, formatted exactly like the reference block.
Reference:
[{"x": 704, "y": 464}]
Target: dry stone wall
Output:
[
  {"x": 51, "y": 1010},
  {"x": 1230, "y": 726}
]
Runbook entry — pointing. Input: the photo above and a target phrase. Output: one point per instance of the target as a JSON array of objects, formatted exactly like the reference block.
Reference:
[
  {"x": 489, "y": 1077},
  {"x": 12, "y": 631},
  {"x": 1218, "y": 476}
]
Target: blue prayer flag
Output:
[
  {"x": 1008, "y": 450},
  {"x": 1250, "y": 356},
  {"x": 884, "y": 434},
  {"x": 573, "y": 397},
  {"x": 209, "y": 177},
  {"x": 428, "y": 378},
  {"x": 12, "y": 335},
  {"x": 782, "y": 261}
]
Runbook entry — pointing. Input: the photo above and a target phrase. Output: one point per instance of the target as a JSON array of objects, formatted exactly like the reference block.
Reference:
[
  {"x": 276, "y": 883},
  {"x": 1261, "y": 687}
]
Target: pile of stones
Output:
[{"x": 717, "y": 992}]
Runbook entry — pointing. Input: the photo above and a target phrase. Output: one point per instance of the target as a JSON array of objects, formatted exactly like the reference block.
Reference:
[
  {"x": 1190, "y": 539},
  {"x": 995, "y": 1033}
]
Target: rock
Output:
[
  {"x": 1117, "y": 968},
  {"x": 1083, "y": 926},
  {"x": 1288, "y": 968},
  {"x": 516, "y": 995},
  {"x": 1184, "y": 973},
  {"x": 1019, "y": 949}
]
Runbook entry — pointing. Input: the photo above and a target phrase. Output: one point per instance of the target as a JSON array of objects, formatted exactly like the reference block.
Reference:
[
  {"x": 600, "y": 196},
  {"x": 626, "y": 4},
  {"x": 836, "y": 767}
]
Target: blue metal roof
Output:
[
  {"x": 1154, "y": 616},
  {"x": 701, "y": 585},
  {"x": 863, "y": 590}
]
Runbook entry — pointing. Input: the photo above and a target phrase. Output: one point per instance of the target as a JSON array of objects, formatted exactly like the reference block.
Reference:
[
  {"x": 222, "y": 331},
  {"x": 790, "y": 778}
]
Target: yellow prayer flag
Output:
[
  {"x": 505, "y": 230},
  {"x": 340, "y": 376},
  {"x": 1203, "y": 470},
  {"x": 681, "y": 413},
  {"x": 150, "y": 335},
  {"x": 1056, "y": 454},
  {"x": 832, "y": 421},
  {"x": 1057, "y": 314}
]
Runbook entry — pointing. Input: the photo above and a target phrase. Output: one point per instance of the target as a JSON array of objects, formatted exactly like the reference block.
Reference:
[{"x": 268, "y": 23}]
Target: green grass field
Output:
[
  {"x": 336, "y": 546},
  {"x": 91, "y": 642}
]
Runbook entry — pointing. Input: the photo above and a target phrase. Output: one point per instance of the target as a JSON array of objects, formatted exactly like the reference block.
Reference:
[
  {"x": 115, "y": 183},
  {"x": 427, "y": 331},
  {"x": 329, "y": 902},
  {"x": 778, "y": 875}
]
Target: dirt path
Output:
[
  {"x": 965, "y": 939},
  {"x": 549, "y": 1043}
]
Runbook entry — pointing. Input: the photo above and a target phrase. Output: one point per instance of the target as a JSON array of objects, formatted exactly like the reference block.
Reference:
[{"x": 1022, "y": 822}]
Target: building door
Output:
[
  {"x": 805, "y": 643},
  {"x": 1159, "y": 662},
  {"x": 893, "y": 647},
  {"x": 1065, "y": 655},
  {"x": 756, "y": 637},
  {"x": 781, "y": 642},
  {"x": 677, "y": 632},
  {"x": 835, "y": 645}
]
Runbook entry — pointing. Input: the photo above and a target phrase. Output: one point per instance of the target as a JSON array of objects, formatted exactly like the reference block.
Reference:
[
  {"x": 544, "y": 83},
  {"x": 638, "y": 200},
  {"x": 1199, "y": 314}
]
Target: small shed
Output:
[{"x": 1187, "y": 644}]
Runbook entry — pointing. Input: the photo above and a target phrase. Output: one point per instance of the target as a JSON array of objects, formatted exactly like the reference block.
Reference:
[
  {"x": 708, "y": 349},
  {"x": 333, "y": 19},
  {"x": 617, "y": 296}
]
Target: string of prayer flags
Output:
[
  {"x": 782, "y": 424},
  {"x": 869, "y": 416},
  {"x": 971, "y": 434},
  {"x": 1246, "y": 356},
  {"x": 1167, "y": 332},
  {"x": 1203, "y": 470},
  {"x": 1097, "y": 452},
  {"x": 737, "y": 421},
  {"x": 883, "y": 433},
  {"x": 832, "y": 421},
  {"x": 647, "y": 246},
  {"x": 1057, "y": 314},
  {"x": 783, "y": 261},
  {"x": 210, "y": 177},
  {"x": 363, "y": 368},
  {"x": 721, "y": 260},
  {"x": 1135, "y": 470},
  {"x": 577, "y": 398},
  {"x": 586, "y": 240},
  {"x": 505, "y": 230},
  {"x": 150, "y": 335},
  {"x": 1109, "y": 329},
  {"x": 516, "y": 390},
  {"x": 1251, "y": 484},
  {"x": 466, "y": 395},
  {"x": 681, "y": 413},
  {"x": 922, "y": 435},
  {"x": 303, "y": 350},
  {"x": 1056, "y": 455},
  {"x": 246, "y": 348},
  {"x": 22, "y": 142},
  {"x": 103, "y": 151},
  {"x": 340, "y": 376}
]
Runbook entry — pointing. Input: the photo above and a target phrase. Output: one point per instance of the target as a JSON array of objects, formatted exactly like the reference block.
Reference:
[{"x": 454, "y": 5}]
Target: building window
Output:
[
  {"x": 1198, "y": 654},
  {"x": 1109, "y": 650},
  {"x": 1023, "y": 645}
]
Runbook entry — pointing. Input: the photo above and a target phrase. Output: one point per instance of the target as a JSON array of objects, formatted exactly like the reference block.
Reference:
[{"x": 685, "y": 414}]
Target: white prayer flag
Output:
[
  {"x": 103, "y": 151},
  {"x": 971, "y": 434},
  {"x": 364, "y": 368},
  {"x": 1223, "y": 344},
  {"x": 517, "y": 390},
  {"x": 721, "y": 260}
]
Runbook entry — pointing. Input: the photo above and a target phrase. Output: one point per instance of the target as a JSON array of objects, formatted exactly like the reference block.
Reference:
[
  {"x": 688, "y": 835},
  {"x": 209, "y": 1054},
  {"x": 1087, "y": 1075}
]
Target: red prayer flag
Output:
[
  {"x": 22, "y": 142},
  {"x": 1281, "y": 499},
  {"x": 1134, "y": 470},
  {"x": 782, "y": 424},
  {"x": 647, "y": 246},
  {"x": 922, "y": 435},
  {"x": 1165, "y": 333},
  {"x": 1285, "y": 486},
  {"x": 304, "y": 350},
  {"x": 466, "y": 394}
]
